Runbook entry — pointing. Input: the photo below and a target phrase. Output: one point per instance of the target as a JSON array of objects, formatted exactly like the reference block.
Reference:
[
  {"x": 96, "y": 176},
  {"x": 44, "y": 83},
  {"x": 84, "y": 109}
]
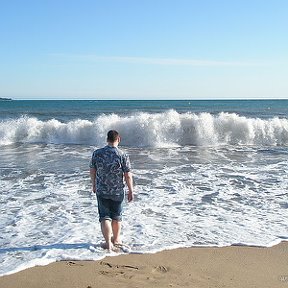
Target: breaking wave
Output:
[{"x": 150, "y": 130}]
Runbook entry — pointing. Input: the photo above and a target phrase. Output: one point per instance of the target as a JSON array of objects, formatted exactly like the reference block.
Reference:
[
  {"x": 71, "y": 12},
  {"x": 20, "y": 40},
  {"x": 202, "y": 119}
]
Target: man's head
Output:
[{"x": 113, "y": 137}]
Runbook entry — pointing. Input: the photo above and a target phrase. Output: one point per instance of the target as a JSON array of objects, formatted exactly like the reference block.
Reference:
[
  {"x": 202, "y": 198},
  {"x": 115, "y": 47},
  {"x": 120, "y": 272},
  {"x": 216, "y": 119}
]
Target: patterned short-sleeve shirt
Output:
[{"x": 110, "y": 164}]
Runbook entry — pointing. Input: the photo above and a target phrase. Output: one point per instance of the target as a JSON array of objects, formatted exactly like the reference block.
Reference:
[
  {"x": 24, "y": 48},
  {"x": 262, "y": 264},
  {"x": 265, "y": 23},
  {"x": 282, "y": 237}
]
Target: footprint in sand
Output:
[{"x": 161, "y": 269}]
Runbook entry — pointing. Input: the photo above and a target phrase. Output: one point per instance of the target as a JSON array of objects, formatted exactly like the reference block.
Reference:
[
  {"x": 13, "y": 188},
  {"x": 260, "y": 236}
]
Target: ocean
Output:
[{"x": 206, "y": 173}]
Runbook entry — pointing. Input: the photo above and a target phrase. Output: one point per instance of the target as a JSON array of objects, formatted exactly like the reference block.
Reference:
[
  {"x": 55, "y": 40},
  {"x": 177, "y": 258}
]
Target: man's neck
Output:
[{"x": 115, "y": 144}]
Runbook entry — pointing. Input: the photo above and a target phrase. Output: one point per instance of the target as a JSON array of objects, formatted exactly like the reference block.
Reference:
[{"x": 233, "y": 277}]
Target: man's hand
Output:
[
  {"x": 94, "y": 188},
  {"x": 93, "y": 179},
  {"x": 129, "y": 181},
  {"x": 130, "y": 196}
]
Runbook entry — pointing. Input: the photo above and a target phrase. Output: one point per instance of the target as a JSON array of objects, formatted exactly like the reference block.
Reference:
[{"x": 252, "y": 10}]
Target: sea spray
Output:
[{"x": 141, "y": 129}]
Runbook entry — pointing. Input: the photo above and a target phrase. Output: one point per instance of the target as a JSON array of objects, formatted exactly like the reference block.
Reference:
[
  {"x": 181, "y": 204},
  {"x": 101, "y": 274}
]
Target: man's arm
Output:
[
  {"x": 93, "y": 179},
  {"x": 129, "y": 181}
]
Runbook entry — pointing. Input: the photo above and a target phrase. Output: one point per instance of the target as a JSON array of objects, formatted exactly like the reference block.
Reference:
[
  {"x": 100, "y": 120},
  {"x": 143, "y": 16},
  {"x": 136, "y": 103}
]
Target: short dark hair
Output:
[{"x": 112, "y": 136}]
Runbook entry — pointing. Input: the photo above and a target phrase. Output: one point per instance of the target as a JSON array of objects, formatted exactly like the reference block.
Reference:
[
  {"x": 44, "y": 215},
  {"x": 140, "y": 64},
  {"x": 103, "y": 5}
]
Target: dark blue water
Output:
[{"x": 66, "y": 110}]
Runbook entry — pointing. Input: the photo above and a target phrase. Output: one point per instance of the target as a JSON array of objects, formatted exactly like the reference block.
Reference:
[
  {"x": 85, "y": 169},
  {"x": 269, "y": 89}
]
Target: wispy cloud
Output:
[{"x": 157, "y": 61}]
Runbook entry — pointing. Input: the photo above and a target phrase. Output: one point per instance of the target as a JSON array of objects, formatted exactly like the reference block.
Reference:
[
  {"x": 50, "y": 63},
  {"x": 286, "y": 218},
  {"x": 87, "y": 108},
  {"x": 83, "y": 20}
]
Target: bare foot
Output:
[
  {"x": 116, "y": 241},
  {"x": 105, "y": 245},
  {"x": 124, "y": 248},
  {"x": 112, "y": 248}
]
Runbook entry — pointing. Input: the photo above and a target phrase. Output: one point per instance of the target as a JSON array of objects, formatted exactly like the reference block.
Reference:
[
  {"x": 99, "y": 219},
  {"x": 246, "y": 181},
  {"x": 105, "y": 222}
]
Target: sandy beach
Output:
[{"x": 234, "y": 266}]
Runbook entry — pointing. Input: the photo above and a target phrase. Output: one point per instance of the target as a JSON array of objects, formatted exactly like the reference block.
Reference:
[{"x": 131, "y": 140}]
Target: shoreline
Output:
[{"x": 233, "y": 266}]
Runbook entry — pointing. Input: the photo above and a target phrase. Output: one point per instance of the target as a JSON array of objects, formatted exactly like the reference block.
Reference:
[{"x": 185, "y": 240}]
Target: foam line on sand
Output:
[{"x": 233, "y": 266}]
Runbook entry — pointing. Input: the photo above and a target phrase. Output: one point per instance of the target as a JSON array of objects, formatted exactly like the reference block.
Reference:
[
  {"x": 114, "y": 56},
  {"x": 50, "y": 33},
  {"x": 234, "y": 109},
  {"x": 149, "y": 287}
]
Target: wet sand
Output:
[{"x": 234, "y": 266}]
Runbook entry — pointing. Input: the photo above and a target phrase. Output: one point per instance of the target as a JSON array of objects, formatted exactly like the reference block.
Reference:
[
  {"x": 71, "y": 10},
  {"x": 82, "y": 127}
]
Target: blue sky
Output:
[{"x": 149, "y": 49}]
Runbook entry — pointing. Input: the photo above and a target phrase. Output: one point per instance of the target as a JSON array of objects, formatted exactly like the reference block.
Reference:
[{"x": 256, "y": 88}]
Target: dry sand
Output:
[{"x": 188, "y": 267}]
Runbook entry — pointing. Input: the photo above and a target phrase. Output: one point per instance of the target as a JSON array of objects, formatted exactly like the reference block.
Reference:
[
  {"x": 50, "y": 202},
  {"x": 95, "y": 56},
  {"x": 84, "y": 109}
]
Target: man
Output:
[{"x": 108, "y": 166}]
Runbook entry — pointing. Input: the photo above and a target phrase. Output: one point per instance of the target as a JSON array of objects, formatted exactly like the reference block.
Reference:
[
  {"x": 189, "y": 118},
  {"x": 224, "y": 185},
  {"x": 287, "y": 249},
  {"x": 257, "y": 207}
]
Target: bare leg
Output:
[
  {"x": 116, "y": 229},
  {"x": 107, "y": 233}
]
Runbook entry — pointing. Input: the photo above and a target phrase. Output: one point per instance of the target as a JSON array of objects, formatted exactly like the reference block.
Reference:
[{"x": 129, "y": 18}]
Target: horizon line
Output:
[{"x": 134, "y": 99}]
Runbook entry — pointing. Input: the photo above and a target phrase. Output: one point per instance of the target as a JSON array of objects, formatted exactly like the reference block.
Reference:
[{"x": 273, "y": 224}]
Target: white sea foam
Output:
[{"x": 170, "y": 129}]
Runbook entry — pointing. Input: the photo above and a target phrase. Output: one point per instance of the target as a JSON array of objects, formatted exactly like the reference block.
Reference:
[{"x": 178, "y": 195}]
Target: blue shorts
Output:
[{"x": 109, "y": 209}]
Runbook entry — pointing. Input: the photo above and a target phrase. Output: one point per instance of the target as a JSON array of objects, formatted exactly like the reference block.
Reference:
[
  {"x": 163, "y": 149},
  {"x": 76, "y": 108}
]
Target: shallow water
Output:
[{"x": 185, "y": 196}]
